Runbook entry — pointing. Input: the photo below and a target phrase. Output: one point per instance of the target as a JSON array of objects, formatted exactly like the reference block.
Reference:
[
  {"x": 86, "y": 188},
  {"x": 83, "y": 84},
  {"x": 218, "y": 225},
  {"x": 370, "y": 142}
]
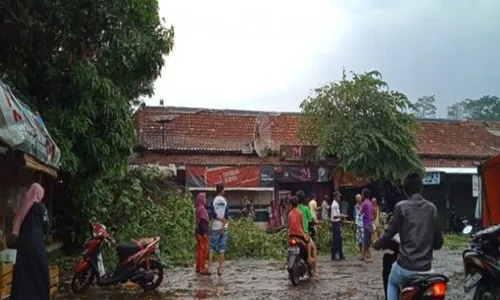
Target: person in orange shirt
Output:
[{"x": 296, "y": 229}]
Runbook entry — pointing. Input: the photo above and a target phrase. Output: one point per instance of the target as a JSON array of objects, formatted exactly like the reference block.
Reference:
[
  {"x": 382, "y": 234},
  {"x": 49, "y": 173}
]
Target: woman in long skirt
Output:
[
  {"x": 201, "y": 234},
  {"x": 31, "y": 272}
]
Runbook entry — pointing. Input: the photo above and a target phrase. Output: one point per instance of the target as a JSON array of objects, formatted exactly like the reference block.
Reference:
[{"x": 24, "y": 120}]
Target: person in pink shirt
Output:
[{"x": 367, "y": 211}]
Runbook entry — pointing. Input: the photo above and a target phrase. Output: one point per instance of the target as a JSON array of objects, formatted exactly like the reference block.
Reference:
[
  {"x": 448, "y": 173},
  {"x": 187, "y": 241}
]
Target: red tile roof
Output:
[
  {"x": 199, "y": 129},
  {"x": 450, "y": 163},
  {"x": 456, "y": 138}
]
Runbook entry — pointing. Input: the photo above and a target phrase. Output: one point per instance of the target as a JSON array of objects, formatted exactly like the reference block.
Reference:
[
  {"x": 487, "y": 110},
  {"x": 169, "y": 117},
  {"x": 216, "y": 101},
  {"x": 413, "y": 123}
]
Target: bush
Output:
[{"x": 143, "y": 203}]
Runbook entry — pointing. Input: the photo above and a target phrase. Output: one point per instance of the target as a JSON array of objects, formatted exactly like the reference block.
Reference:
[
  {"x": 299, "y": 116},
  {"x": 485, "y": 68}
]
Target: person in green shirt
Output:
[
  {"x": 306, "y": 218},
  {"x": 306, "y": 213}
]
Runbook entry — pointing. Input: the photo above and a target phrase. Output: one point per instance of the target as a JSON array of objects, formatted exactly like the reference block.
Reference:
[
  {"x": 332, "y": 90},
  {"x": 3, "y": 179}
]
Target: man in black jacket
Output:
[{"x": 416, "y": 221}]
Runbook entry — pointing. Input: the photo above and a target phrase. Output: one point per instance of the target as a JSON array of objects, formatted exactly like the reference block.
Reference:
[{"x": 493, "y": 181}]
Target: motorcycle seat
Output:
[
  {"x": 420, "y": 279},
  {"x": 127, "y": 249}
]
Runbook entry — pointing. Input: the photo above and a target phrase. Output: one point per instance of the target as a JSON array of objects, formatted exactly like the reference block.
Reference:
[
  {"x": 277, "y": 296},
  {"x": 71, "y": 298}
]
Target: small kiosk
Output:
[{"x": 27, "y": 154}]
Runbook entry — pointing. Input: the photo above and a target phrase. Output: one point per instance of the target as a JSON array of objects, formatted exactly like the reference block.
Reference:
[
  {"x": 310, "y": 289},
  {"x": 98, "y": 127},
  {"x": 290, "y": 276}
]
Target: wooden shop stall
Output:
[{"x": 27, "y": 155}]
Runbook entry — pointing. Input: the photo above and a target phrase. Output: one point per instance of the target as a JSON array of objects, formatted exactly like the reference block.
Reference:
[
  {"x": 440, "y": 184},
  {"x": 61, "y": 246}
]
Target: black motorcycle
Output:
[
  {"x": 425, "y": 286},
  {"x": 482, "y": 264},
  {"x": 297, "y": 263},
  {"x": 457, "y": 224}
]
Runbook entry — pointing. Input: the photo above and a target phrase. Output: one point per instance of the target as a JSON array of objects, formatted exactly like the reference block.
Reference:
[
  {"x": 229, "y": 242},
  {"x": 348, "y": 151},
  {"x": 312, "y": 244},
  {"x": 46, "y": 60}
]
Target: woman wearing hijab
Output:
[
  {"x": 31, "y": 271},
  {"x": 201, "y": 233}
]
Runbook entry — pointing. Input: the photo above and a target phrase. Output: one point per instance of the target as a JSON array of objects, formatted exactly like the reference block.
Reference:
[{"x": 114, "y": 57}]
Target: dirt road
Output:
[{"x": 248, "y": 279}]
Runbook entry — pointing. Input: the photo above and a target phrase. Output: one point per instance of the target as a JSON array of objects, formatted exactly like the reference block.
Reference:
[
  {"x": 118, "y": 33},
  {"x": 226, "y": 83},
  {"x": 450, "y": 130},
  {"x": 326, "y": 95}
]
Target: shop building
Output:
[{"x": 208, "y": 146}]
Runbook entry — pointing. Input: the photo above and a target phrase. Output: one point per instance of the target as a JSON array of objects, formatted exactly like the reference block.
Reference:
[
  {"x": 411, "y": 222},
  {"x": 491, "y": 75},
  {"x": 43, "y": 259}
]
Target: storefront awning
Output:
[
  {"x": 24, "y": 130},
  {"x": 452, "y": 170}
]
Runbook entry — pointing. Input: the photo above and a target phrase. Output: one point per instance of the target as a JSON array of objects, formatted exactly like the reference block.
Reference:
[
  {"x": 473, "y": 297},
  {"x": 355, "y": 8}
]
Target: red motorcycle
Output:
[{"x": 138, "y": 261}]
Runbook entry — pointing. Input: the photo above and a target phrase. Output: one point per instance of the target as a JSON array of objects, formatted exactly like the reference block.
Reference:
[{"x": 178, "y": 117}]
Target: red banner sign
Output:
[{"x": 231, "y": 177}]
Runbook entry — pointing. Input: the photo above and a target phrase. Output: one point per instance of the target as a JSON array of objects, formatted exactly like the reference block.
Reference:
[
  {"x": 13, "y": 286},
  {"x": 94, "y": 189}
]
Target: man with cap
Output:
[{"x": 336, "y": 217}]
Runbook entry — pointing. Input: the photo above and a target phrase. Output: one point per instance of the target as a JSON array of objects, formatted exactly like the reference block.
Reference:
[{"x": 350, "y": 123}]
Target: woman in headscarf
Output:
[
  {"x": 31, "y": 271},
  {"x": 201, "y": 233}
]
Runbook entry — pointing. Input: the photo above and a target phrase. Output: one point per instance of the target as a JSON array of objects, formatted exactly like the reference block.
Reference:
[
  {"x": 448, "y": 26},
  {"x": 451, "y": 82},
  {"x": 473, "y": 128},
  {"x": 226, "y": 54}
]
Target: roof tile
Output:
[{"x": 230, "y": 130}]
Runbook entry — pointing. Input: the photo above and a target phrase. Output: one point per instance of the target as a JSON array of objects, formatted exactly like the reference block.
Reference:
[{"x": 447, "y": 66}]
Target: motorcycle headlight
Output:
[{"x": 96, "y": 234}]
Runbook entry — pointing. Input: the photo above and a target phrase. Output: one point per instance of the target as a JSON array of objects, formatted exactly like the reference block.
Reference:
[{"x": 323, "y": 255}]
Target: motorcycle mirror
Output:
[{"x": 467, "y": 229}]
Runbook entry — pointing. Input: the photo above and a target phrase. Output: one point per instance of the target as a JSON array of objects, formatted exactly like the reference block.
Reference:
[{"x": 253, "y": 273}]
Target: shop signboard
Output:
[
  {"x": 230, "y": 176},
  {"x": 432, "y": 178},
  {"x": 24, "y": 130},
  {"x": 267, "y": 176}
]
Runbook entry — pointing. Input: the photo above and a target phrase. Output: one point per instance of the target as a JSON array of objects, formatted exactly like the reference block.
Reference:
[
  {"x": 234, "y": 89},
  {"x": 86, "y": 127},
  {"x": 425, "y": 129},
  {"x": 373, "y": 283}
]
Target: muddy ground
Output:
[{"x": 257, "y": 279}]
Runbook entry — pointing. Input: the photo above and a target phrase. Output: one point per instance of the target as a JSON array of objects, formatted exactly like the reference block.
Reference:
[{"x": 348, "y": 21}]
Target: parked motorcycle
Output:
[
  {"x": 457, "y": 224},
  {"x": 482, "y": 264},
  {"x": 424, "y": 286},
  {"x": 297, "y": 264},
  {"x": 138, "y": 261}
]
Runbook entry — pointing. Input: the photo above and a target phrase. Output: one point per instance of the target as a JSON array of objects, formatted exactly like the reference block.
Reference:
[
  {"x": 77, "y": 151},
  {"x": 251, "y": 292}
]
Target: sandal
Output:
[
  {"x": 219, "y": 272},
  {"x": 206, "y": 273}
]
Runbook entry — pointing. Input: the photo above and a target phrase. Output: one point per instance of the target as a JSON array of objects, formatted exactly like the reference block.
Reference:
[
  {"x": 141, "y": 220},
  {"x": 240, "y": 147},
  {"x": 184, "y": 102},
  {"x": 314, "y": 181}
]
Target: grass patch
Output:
[{"x": 453, "y": 241}]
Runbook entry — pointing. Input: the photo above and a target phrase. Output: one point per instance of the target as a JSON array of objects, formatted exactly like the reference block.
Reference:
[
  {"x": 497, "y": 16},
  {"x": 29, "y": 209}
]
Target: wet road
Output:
[{"x": 350, "y": 279}]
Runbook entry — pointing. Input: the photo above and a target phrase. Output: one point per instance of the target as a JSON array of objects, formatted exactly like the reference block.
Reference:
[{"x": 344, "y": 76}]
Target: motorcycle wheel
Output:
[
  {"x": 294, "y": 274},
  {"x": 485, "y": 292},
  {"x": 151, "y": 285},
  {"x": 81, "y": 281}
]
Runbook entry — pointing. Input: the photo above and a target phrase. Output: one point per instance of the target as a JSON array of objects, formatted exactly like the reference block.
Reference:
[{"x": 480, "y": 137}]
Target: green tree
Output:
[
  {"x": 364, "y": 124},
  {"x": 486, "y": 108},
  {"x": 81, "y": 64},
  {"x": 456, "y": 111},
  {"x": 424, "y": 107}
]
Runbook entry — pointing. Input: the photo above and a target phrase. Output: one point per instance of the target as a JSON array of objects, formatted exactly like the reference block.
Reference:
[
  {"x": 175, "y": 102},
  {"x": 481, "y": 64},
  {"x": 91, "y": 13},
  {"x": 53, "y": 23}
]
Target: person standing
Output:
[
  {"x": 325, "y": 208},
  {"x": 201, "y": 233},
  {"x": 376, "y": 217},
  {"x": 313, "y": 208},
  {"x": 358, "y": 217},
  {"x": 219, "y": 235},
  {"x": 336, "y": 217},
  {"x": 367, "y": 211},
  {"x": 30, "y": 279}
]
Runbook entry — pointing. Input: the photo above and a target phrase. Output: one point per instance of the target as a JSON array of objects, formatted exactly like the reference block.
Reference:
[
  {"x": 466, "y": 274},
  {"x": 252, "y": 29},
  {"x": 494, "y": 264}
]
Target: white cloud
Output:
[{"x": 241, "y": 54}]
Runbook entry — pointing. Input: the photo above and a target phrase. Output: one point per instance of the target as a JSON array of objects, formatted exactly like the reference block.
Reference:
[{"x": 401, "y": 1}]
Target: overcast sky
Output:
[{"x": 269, "y": 54}]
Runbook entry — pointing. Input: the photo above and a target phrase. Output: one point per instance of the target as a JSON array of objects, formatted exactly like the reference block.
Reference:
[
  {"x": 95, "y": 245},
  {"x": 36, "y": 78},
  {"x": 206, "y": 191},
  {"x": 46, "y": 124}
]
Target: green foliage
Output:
[
  {"x": 144, "y": 204},
  {"x": 324, "y": 238},
  {"x": 486, "y": 108},
  {"x": 247, "y": 240},
  {"x": 364, "y": 124},
  {"x": 453, "y": 241},
  {"x": 424, "y": 107}
]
